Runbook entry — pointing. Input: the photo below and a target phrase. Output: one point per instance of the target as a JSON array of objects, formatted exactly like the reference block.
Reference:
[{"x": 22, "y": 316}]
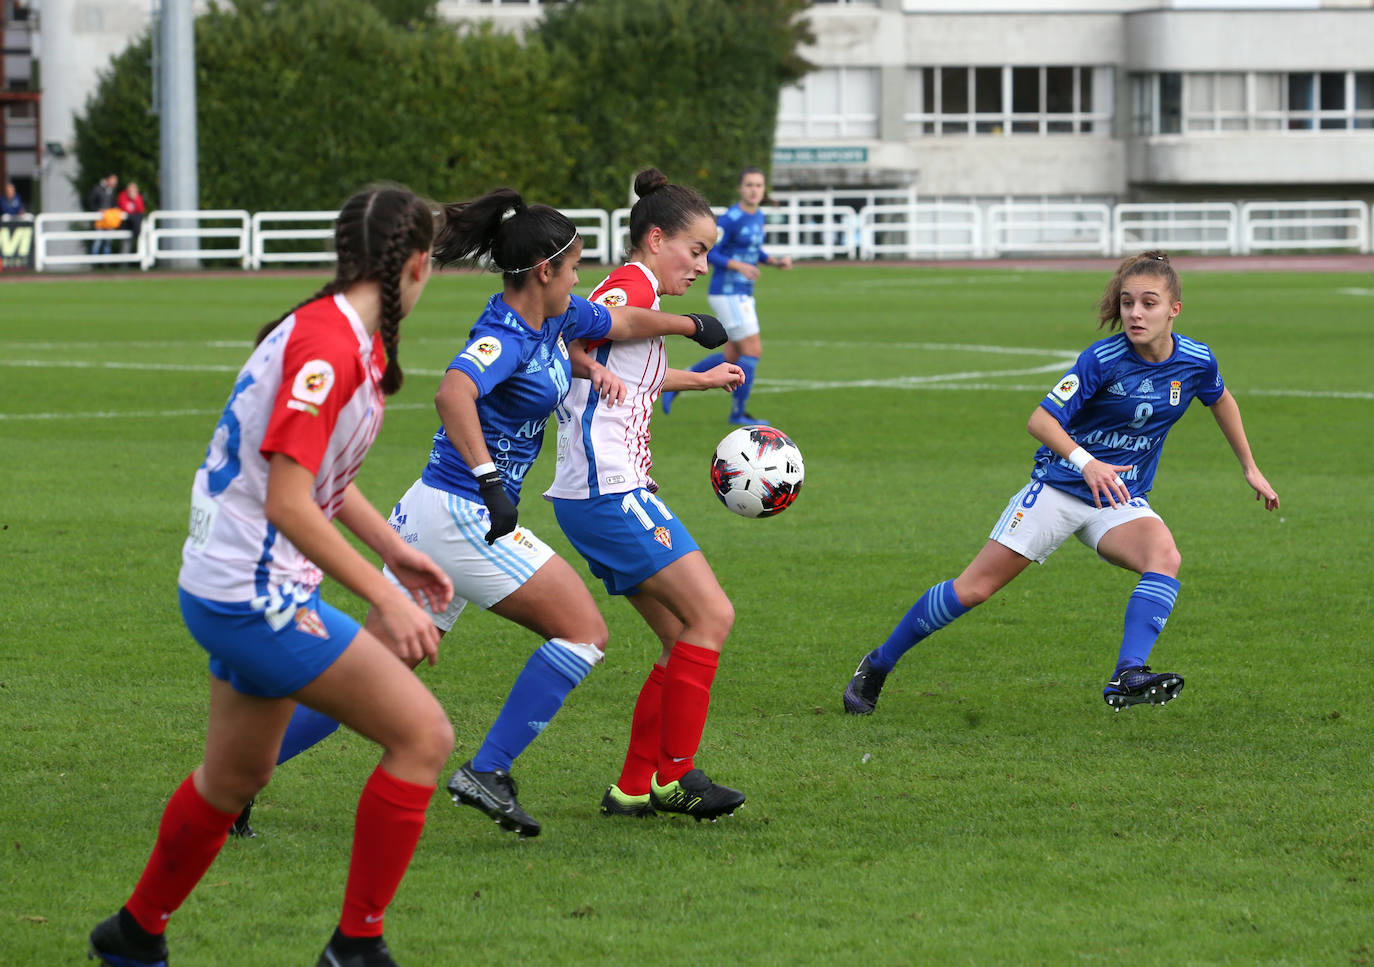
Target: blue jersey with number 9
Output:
[{"x": 1120, "y": 408}]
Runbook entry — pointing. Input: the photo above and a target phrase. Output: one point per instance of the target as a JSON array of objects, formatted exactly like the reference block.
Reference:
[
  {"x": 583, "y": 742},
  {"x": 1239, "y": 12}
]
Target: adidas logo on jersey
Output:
[
  {"x": 1116, "y": 389},
  {"x": 532, "y": 366}
]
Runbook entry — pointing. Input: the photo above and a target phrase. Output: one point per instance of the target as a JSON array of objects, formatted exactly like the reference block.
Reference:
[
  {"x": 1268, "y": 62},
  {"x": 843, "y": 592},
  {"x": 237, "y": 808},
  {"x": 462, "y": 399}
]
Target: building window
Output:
[
  {"x": 835, "y": 102},
  {"x": 1200, "y": 102},
  {"x": 1009, "y": 100}
]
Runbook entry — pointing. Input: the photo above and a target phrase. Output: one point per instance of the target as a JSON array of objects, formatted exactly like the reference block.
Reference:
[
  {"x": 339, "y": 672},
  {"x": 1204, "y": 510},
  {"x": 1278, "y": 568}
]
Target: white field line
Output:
[{"x": 970, "y": 381}]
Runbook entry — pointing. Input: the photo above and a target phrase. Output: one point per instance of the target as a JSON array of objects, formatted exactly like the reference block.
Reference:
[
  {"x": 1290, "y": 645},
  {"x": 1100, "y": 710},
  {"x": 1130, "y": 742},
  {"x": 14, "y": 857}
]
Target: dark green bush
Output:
[{"x": 299, "y": 103}]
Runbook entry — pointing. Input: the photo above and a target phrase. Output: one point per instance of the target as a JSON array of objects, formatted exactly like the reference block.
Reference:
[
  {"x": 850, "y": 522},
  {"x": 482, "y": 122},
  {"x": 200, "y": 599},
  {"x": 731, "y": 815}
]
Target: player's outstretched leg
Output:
[
  {"x": 119, "y": 941},
  {"x": 1138, "y": 686}
]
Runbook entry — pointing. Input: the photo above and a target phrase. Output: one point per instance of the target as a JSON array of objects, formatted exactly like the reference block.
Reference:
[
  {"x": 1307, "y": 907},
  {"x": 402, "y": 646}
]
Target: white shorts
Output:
[
  {"x": 1040, "y": 518},
  {"x": 737, "y": 314},
  {"x": 451, "y": 530}
]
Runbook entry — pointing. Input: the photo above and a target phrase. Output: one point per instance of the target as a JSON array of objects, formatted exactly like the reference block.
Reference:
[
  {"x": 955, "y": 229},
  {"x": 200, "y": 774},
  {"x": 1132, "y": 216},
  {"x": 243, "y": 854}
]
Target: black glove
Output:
[
  {"x": 710, "y": 333},
  {"x": 499, "y": 505}
]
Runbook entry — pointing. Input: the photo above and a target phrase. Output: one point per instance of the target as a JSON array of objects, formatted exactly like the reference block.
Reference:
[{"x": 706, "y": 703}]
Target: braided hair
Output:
[
  {"x": 1154, "y": 263},
  {"x": 376, "y": 231},
  {"x": 501, "y": 229},
  {"x": 671, "y": 207}
]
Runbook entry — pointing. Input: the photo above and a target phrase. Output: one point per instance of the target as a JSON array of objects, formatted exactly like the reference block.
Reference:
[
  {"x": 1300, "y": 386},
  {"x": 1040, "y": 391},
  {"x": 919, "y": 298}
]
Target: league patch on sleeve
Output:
[
  {"x": 313, "y": 382},
  {"x": 483, "y": 352},
  {"x": 1066, "y": 388},
  {"x": 613, "y": 297}
]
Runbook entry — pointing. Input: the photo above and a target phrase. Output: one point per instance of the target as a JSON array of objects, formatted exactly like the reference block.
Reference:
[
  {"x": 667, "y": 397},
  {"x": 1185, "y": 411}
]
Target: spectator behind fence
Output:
[
  {"x": 131, "y": 203},
  {"x": 101, "y": 198},
  {"x": 11, "y": 205}
]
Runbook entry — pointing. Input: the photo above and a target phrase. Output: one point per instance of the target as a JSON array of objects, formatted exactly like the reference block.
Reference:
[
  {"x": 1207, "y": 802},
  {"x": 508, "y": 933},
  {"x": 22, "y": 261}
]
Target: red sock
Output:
[
  {"x": 686, "y": 697},
  {"x": 188, "y": 840},
  {"x": 391, "y": 813},
  {"x": 646, "y": 734}
]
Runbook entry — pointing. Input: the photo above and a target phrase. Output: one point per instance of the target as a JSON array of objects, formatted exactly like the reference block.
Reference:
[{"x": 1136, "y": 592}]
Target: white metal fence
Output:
[{"x": 830, "y": 224}]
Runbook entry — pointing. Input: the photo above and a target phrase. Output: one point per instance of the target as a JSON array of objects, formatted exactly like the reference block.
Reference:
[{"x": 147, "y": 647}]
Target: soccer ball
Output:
[{"x": 757, "y": 471}]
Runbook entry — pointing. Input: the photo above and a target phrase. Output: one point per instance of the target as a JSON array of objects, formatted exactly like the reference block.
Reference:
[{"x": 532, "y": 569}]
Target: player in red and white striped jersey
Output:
[{"x": 278, "y": 471}]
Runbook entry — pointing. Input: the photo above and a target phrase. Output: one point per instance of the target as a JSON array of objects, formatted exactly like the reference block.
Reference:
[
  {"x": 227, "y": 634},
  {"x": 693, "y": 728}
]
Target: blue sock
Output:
[
  {"x": 306, "y": 728},
  {"x": 710, "y": 362},
  {"x": 741, "y": 394},
  {"x": 1147, "y": 612},
  {"x": 537, "y": 695},
  {"x": 935, "y": 609}
]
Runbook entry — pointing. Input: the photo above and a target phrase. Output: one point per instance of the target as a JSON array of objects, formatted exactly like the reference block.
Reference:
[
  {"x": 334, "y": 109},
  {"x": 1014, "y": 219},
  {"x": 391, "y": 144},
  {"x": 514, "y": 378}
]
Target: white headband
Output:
[{"x": 545, "y": 258}]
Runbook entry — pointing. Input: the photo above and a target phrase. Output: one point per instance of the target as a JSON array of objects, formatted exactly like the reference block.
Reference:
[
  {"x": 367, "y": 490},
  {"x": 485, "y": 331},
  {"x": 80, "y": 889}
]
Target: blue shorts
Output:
[
  {"x": 268, "y": 653},
  {"x": 626, "y": 538}
]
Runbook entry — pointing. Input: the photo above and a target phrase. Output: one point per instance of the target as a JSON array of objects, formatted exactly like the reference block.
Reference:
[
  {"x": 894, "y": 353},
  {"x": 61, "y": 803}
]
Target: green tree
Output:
[
  {"x": 300, "y": 102},
  {"x": 690, "y": 88}
]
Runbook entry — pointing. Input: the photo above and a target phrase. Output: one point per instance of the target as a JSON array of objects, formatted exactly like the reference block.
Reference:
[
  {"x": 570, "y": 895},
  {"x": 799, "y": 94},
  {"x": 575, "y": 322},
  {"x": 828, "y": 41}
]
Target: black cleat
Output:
[
  {"x": 241, "y": 829},
  {"x": 694, "y": 795},
  {"x": 617, "y": 803},
  {"x": 356, "y": 952},
  {"x": 119, "y": 941},
  {"x": 494, "y": 794},
  {"x": 861, "y": 697},
  {"x": 1138, "y": 686}
]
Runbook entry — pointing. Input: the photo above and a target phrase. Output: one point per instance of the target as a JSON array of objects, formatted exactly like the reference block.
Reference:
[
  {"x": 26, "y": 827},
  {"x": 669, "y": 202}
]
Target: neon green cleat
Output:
[
  {"x": 694, "y": 795},
  {"x": 617, "y": 803}
]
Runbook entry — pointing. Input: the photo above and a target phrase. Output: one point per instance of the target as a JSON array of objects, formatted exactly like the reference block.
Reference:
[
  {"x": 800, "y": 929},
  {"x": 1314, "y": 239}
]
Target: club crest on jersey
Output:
[
  {"x": 483, "y": 352},
  {"x": 312, "y": 384},
  {"x": 309, "y": 622},
  {"x": 562, "y": 346},
  {"x": 1066, "y": 388},
  {"x": 663, "y": 537},
  {"x": 1175, "y": 391},
  {"x": 613, "y": 298}
]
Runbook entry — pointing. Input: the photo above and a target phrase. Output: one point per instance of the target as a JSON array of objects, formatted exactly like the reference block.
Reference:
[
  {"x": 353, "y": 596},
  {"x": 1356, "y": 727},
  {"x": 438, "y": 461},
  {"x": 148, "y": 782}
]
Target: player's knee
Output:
[
  {"x": 1168, "y": 561},
  {"x": 972, "y": 593},
  {"x": 431, "y": 741}
]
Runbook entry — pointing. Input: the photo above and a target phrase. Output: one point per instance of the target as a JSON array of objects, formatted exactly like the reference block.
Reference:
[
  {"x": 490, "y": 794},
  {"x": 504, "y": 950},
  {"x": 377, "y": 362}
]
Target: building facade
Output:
[{"x": 1101, "y": 100}]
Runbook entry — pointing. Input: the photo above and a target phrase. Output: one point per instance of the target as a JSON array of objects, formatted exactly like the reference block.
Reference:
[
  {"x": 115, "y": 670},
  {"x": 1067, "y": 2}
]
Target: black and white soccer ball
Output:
[{"x": 757, "y": 471}]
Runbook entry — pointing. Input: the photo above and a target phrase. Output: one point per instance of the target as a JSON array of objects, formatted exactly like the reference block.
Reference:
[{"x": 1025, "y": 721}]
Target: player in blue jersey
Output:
[
  {"x": 494, "y": 402},
  {"x": 735, "y": 262},
  {"x": 1101, "y": 429}
]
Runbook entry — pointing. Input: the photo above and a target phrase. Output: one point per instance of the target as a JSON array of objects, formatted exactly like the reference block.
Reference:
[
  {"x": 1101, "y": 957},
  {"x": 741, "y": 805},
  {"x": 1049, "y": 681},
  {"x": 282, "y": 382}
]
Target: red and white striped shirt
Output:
[
  {"x": 605, "y": 449},
  {"x": 311, "y": 391}
]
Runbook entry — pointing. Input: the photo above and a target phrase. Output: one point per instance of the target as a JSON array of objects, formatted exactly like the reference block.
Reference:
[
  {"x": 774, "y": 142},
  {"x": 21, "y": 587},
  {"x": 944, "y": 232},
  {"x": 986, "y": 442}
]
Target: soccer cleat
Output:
[
  {"x": 494, "y": 794},
  {"x": 617, "y": 803},
  {"x": 747, "y": 419},
  {"x": 119, "y": 941},
  {"x": 861, "y": 696},
  {"x": 356, "y": 952},
  {"x": 241, "y": 829},
  {"x": 694, "y": 795},
  {"x": 667, "y": 399},
  {"x": 1136, "y": 686}
]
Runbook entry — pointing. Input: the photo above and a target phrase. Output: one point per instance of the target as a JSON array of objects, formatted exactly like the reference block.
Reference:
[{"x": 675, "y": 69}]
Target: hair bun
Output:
[{"x": 649, "y": 180}]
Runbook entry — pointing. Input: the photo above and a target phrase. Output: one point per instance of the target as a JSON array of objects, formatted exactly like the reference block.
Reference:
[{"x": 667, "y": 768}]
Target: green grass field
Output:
[{"x": 993, "y": 811}]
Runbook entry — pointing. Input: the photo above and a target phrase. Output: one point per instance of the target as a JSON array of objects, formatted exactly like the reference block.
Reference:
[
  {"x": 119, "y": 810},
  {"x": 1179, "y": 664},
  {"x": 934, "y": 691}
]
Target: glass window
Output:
[
  {"x": 1059, "y": 89},
  {"x": 1170, "y": 102},
  {"x": 953, "y": 90},
  {"x": 1007, "y": 100}
]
